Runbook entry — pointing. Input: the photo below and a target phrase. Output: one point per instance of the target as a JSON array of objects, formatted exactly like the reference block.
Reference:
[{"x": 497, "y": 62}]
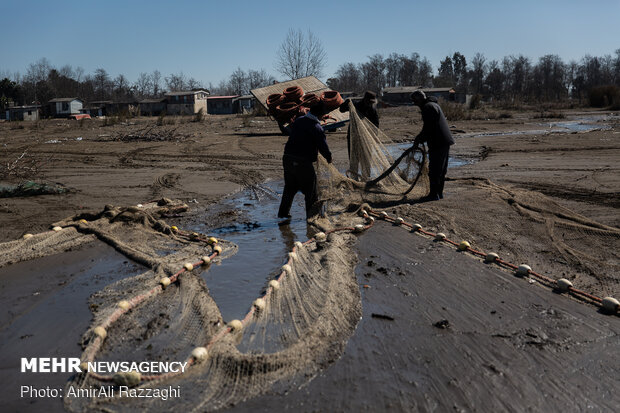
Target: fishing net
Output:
[
  {"x": 301, "y": 328},
  {"x": 380, "y": 172},
  {"x": 527, "y": 227}
]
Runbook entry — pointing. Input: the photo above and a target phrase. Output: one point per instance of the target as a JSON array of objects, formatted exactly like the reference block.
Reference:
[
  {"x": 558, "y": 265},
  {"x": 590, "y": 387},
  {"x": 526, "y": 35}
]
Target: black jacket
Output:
[
  {"x": 307, "y": 138},
  {"x": 364, "y": 111},
  {"x": 435, "y": 131}
]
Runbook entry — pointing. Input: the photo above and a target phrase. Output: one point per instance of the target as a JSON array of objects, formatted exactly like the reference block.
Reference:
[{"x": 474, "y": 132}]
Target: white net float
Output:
[
  {"x": 610, "y": 304},
  {"x": 206, "y": 260},
  {"x": 564, "y": 284},
  {"x": 523, "y": 270},
  {"x": 320, "y": 237},
  {"x": 275, "y": 284},
  {"x": 440, "y": 236},
  {"x": 464, "y": 245},
  {"x": 200, "y": 353},
  {"x": 188, "y": 266},
  {"x": 491, "y": 257},
  {"x": 260, "y": 304},
  {"x": 165, "y": 282},
  {"x": 127, "y": 378},
  {"x": 235, "y": 325},
  {"x": 124, "y": 305},
  {"x": 100, "y": 332}
]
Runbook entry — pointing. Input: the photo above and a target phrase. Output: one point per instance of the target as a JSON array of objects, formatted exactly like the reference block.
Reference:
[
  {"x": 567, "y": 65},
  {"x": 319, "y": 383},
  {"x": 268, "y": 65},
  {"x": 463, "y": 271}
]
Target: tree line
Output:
[
  {"x": 513, "y": 79},
  {"x": 43, "y": 82}
]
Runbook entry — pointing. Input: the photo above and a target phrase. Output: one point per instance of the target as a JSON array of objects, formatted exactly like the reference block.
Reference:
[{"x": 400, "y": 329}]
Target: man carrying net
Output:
[
  {"x": 306, "y": 140},
  {"x": 436, "y": 134}
]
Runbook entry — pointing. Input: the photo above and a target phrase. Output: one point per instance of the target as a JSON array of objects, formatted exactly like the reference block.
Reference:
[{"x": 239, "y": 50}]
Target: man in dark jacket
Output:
[
  {"x": 365, "y": 108},
  {"x": 436, "y": 134},
  {"x": 306, "y": 140}
]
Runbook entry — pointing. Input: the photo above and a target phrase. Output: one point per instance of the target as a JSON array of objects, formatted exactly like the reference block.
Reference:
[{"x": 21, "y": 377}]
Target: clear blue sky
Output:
[{"x": 208, "y": 40}]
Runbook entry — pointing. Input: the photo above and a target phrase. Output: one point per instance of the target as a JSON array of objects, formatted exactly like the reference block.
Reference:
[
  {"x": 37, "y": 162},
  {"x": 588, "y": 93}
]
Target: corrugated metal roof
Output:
[
  {"x": 64, "y": 100},
  {"x": 185, "y": 93},
  {"x": 401, "y": 89},
  {"x": 410, "y": 89}
]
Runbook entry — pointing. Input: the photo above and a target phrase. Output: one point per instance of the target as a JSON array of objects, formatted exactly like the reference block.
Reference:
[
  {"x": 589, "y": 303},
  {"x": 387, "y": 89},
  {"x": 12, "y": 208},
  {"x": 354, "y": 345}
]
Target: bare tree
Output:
[
  {"x": 176, "y": 82},
  {"x": 238, "y": 82},
  {"x": 102, "y": 83},
  {"x": 259, "y": 78},
  {"x": 155, "y": 83},
  {"x": 301, "y": 55},
  {"x": 477, "y": 73},
  {"x": 142, "y": 85},
  {"x": 193, "y": 84}
]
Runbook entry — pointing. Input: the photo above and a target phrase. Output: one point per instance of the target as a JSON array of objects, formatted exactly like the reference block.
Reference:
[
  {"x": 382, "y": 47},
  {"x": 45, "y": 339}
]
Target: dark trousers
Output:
[
  {"x": 437, "y": 168},
  {"x": 299, "y": 175}
]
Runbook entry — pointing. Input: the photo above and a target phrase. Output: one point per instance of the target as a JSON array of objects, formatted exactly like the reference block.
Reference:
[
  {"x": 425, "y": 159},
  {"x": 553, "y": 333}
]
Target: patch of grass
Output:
[
  {"x": 455, "y": 111},
  {"x": 549, "y": 115}
]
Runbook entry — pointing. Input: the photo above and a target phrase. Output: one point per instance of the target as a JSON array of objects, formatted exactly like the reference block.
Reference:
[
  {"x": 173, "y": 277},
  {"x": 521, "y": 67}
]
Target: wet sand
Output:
[
  {"x": 45, "y": 312},
  {"x": 442, "y": 331}
]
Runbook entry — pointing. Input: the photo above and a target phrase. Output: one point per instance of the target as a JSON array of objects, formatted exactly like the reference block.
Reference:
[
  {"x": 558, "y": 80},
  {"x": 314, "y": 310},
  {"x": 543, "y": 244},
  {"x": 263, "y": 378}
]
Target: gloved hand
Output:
[{"x": 417, "y": 141}]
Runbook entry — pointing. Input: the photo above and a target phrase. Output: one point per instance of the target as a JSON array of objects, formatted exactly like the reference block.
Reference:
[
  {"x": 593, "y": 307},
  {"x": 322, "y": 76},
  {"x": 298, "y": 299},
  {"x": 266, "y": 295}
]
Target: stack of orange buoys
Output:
[
  {"x": 274, "y": 100},
  {"x": 293, "y": 94},
  {"x": 332, "y": 100},
  {"x": 309, "y": 100},
  {"x": 285, "y": 107}
]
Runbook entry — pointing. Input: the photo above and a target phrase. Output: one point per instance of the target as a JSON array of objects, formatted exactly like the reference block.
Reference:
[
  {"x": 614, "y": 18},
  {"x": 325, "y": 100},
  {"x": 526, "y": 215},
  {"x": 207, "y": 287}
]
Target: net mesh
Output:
[{"x": 380, "y": 172}]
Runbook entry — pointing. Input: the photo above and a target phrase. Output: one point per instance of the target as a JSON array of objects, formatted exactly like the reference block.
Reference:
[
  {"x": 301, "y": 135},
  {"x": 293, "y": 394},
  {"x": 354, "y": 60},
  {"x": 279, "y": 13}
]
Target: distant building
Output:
[
  {"x": 110, "y": 108},
  {"x": 29, "y": 112},
  {"x": 220, "y": 105},
  {"x": 401, "y": 95},
  {"x": 243, "y": 104},
  {"x": 63, "y": 107},
  {"x": 96, "y": 108},
  {"x": 186, "y": 103},
  {"x": 152, "y": 107}
]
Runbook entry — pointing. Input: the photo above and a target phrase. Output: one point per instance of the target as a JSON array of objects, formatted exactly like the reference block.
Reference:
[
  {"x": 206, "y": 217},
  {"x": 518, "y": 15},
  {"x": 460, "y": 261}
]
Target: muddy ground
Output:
[
  {"x": 496, "y": 339},
  {"x": 136, "y": 161}
]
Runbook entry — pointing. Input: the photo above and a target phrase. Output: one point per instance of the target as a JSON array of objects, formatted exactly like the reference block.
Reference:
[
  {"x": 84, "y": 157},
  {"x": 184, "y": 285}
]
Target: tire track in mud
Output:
[
  {"x": 611, "y": 199},
  {"x": 167, "y": 180}
]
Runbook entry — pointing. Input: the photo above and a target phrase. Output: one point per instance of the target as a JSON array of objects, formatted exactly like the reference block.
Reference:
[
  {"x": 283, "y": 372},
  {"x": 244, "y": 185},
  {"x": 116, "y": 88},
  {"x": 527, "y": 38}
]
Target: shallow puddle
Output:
[{"x": 263, "y": 247}]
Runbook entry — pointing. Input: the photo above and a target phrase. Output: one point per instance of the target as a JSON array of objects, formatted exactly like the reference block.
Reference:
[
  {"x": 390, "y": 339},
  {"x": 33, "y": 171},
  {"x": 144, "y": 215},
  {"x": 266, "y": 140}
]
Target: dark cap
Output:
[
  {"x": 370, "y": 95},
  {"x": 418, "y": 94}
]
